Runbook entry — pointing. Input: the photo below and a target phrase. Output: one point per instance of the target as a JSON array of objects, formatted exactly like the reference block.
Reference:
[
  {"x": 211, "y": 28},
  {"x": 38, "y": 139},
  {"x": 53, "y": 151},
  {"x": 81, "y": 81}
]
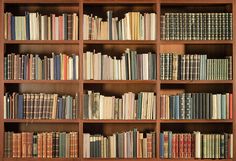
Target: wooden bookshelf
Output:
[{"x": 99, "y": 7}]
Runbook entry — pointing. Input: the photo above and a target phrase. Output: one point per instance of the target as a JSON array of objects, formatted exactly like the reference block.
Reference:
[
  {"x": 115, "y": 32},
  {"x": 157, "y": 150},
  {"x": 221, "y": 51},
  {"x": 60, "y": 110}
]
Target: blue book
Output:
[
  {"x": 109, "y": 19},
  {"x": 55, "y": 66},
  {"x": 20, "y": 111},
  {"x": 13, "y": 32},
  {"x": 65, "y": 26},
  {"x": 26, "y": 58},
  {"x": 161, "y": 145},
  {"x": 174, "y": 107},
  {"x": 58, "y": 67},
  {"x": 139, "y": 110},
  {"x": 177, "y": 107},
  {"x": 74, "y": 67},
  {"x": 169, "y": 144},
  {"x": 59, "y": 104},
  {"x": 27, "y": 26},
  {"x": 223, "y": 106}
]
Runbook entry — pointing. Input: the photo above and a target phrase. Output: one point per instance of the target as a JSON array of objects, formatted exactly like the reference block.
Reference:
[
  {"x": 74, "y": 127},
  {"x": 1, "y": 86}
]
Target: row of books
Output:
[
  {"x": 41, "y": 145},
  {"x": 40, "y": 106},
  {"x": 194, "y": 67},
  {"x": 98, "y": 106},
  {"x": 37, "y": 67},
  {"x": 197, "y": 106},
  {"x": 131, "y": 66},
  {"x": 196, "y": 145},
  {"x": 196, "y": 26},
  {"x": 36, "y": 26},
  {"x": 130, "y": 144},
  {"x": 134, "y": 26}
]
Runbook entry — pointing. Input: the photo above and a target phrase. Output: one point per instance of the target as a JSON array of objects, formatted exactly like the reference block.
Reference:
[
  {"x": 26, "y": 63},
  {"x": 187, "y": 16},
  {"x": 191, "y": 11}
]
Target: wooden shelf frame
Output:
[{"x": 81, "y": 43}]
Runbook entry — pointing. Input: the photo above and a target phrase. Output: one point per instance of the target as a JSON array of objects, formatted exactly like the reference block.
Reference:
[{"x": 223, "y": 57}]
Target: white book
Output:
[
  {"x": 145, "y": 66},
  {"x": 96, "y": 68},
  {"x": 54, "y": 108},
  {"x": 70, "y": 69},
  {"x": 153, "y": 26},
  {"x": 42, "y": 25},
  {"x": 85, "y": 66},
  {"x": 77, "y": 67},
  {"x": 51, "y": 68},
  {"x": 86, "y": 145},
  {"x": 37, "y": 29},
  {"x": 218, "y": 106},
  {"x": 231, "y": 146},
  {"x": 23, "y": 31},
  {"x": 197, "y": 144},
  {"x": 128, "y": 26},
  {"x": 57, "y": 28},
  {"x": 123, "y": 68},
  {"x": 85, "y": 27},
  {"x": 101, "y": 105}
]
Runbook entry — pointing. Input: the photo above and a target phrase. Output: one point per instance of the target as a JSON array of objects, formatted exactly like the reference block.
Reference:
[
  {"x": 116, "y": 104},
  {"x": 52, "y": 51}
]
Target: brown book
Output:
[
  {"x": 24, "y": 144},
  {"x": 76, "y": 144},
  {"x": 57, "y": 145},
  {"x": 40, "y": 145},
  {"x": 44, "y": 145},
  {"x": 149, "y": 145},
  {"x": 49, "y": 145},
  {"x": 14, "y": 148},
  {"x": 69, "y": 26},
  {"x": 19, "y": 141},
  {"x": 71, "y": 144},
  {"x": 29, "y": 144},
  {"x": 6, "y": 136}
]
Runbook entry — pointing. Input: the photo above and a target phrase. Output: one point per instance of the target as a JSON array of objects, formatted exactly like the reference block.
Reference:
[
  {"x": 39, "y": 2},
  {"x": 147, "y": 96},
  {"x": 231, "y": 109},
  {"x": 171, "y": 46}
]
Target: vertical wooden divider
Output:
[{"x": 81, "y": 79}]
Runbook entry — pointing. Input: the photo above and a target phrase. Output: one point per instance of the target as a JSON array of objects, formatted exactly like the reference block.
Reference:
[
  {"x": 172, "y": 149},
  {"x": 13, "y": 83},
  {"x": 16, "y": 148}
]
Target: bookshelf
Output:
[{"x": 213, "y": 48}]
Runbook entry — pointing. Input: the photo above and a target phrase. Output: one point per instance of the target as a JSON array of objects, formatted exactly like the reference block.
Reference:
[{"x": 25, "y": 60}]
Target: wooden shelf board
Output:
[
  {"x": 193, "y": 159},
  {"x": 121, "y": 42},
  {"x": 125, "y": 159},
  {"x": 196, "y": 81},
  {"x": 119, "y": 121},
  {"x": 118, "y": 1},
  {"x": 196, "y": 121},
  {"x": 41, "y": 81},
  {"x": 64, "y": 42},
  {"x": 41, "y": 121},
  {"x": 165, "y": 42},
  {"x": 121, "y": 81},
  {"x": 41, "y": 159}
]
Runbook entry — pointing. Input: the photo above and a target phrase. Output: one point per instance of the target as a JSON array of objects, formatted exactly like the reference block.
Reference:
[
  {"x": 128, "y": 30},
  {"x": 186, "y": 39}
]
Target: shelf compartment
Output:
[
  {"x": 41, "y": 127},
  {"x": 37, "y": 1},
  {"x": 195, "y": 121},
  {"x": 41, "y": 81},
  {"x": 68, "y": 42},
  {"x": 203, "y": 128},
  {"x": 120, "y": 121},
  {"x": 120, "y": 159},
  {"x": 35, "y": 121},
  {"x": 166, "y": 42},
  {"x": 120, "y": 81},
  {"x": 121, "y": 42},
  {"x": 196, "y": 81},
  {"x": 110, "y": 128}
]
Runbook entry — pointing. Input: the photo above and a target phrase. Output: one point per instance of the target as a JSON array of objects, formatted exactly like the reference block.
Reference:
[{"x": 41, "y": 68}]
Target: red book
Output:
[
  {"x": 173, "y": 146},
  {"x": 15, "y": 146},
  {"x": 53, "y": 27},
  {"x": 60, "y": 28},
  {"x": 230, "y": 106},
  {"x": 181, "y": 145},
  {"x": 177, "y": 145},
  {"x": 189, "y": 146},
  {"x": 149, "y": 145},
  {"x": 163, "y": 101},
  {"x": 49, "y": 145},
  {"x": 44, "y": 145},
  {"x": 185, "y": 145}
]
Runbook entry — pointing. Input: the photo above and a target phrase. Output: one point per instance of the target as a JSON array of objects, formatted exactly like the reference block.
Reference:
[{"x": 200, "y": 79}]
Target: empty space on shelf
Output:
[
  {"x": 193, "y": 88},
  {"x": 118, "y": 9},
  {"x": 188, "y": 127},
  {"x": 42, "y": 49},
  {"x": 108, "y": 129},
  {"x": 118, "y": 50},
  {"x": 43, "y": 8},
  {"x": 59, "y": 88},
  {"x": 195, "y": 8},
  {"x": 41, "y": 127},
  {"x": 111, "y": 89},
  {"x": 213, "y": 51}
]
